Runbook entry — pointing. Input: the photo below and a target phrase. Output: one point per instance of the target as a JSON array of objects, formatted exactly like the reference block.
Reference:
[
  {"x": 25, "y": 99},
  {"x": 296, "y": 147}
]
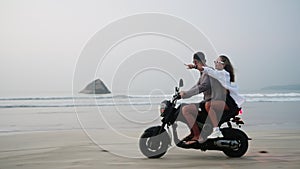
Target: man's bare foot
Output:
[
  {"x": 195, "y": 140},
  {"x": 188, "y": 138}
]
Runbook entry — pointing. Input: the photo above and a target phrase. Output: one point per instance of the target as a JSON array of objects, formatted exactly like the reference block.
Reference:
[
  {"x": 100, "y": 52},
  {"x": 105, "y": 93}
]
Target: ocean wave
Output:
[
  {"x": 79, "y": 105},
  {"x": 272, "y": 95},
  {"x": 83, "y": 97},
  {"x": 272, "y": 99}
]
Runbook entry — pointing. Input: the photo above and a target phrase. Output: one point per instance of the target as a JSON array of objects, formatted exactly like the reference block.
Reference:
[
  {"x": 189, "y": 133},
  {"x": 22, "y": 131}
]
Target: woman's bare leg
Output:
[{"x": 215, "y": 110}]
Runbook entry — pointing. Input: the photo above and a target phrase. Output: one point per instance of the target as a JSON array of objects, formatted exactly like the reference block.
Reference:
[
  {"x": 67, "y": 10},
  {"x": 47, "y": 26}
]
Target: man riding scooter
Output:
[{"x": 190, "y": 111}]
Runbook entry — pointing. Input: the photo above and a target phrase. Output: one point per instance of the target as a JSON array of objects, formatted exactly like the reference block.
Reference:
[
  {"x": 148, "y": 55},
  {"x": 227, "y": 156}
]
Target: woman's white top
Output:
[{"x": 224, "y": 78}]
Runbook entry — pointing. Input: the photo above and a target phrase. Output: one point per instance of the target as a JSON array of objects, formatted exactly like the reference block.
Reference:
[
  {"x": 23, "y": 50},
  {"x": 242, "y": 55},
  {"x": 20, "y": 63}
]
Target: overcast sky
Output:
[{"x": 41, "y": 40}]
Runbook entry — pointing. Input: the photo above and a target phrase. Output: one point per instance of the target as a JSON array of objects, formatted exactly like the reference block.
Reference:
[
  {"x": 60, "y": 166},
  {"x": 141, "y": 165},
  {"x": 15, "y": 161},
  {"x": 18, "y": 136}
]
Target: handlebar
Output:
[{"x": 177, "y": 96}]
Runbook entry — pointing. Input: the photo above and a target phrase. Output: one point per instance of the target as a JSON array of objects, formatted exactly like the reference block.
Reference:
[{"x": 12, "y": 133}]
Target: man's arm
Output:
[{"x": 201, "y": 86}]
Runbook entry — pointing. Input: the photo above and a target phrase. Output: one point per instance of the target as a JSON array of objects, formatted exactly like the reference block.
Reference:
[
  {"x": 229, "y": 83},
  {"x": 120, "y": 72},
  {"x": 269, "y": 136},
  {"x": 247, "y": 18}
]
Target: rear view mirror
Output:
[{"x": 180, "y": 83}]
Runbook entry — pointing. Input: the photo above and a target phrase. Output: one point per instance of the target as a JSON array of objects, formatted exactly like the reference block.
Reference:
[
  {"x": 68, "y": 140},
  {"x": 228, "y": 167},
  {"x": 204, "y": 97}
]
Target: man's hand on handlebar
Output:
[{"x": 181, "y": 94}]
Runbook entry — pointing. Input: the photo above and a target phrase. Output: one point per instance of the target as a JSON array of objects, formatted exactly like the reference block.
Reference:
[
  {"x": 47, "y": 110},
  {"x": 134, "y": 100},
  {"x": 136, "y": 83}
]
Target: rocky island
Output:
[{"x": 95, "y": 87}]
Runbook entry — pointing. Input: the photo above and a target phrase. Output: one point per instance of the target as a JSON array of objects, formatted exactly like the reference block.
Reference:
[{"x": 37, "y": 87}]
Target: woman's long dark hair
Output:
[{"x": 228, "y": 67}]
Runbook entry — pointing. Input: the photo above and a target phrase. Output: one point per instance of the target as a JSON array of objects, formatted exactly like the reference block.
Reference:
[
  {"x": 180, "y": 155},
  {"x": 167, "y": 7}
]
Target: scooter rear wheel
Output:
[{"x": 240, "y": 137}]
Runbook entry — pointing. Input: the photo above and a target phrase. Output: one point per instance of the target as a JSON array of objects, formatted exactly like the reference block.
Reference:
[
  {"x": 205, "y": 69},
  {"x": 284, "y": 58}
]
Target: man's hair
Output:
[{"x": 200, "y": 57}]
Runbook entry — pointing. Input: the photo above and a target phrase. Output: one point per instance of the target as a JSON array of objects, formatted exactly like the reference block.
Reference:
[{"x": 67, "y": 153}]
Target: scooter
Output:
[{"x": 156, "y": 140}]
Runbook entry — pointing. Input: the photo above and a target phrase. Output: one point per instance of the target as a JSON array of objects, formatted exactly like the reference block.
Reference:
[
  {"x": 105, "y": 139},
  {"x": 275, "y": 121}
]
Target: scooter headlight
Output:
[{"x": 163, "y": 106}]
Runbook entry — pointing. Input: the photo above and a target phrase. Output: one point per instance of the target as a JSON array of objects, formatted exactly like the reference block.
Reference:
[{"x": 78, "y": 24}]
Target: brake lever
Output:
[{"x": 177, "y": 96}]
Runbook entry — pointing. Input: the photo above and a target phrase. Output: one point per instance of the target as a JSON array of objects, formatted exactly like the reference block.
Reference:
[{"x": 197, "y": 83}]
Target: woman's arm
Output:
[{"x": 221, "y": 75}]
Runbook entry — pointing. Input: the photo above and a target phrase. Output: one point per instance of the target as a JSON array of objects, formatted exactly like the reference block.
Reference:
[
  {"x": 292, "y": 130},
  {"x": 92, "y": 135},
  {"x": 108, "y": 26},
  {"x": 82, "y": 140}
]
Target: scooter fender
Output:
[
  {"x": 155, "y": 131},
  {"x": 228, "y": 131}
]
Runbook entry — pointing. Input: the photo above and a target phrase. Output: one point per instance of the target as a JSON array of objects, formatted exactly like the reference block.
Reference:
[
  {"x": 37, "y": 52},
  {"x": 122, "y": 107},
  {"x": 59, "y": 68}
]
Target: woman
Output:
[{"x": 224, "y": 93}]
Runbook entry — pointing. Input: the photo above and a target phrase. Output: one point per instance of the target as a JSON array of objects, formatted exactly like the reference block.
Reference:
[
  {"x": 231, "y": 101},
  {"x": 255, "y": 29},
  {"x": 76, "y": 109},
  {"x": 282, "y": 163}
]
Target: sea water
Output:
[
  {"x": 272, "y": 110},
  {"x": 123, "y": 100}
]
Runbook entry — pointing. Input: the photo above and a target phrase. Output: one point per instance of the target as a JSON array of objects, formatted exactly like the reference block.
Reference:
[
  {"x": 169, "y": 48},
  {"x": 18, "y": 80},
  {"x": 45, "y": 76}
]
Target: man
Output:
[{"x": 190, "y": 112}]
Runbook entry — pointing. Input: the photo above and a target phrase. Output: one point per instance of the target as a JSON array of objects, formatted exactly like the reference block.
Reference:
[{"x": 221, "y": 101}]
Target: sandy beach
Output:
[
  {"x": 56, "y": 140},
  {"x": 82, "y": 80}
]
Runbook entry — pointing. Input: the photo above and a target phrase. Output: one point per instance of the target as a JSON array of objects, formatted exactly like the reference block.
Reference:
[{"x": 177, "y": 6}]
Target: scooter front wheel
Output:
[{"x": 154, "y": 145}]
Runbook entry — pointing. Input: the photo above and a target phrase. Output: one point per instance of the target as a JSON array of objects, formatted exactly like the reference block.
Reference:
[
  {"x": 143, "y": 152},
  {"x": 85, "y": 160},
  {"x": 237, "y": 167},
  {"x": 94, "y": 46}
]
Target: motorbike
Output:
[{"x": 155, "y": 141}]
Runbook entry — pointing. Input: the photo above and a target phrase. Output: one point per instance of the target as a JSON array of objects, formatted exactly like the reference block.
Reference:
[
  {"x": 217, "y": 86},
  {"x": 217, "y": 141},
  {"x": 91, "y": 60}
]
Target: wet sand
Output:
[
  {"x": 64, "y": 144},
  {"x": 72, "y": 149}
]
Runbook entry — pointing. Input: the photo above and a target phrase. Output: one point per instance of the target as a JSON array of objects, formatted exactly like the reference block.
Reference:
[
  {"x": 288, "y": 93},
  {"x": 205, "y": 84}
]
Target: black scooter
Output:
[{"x": 155, "y": 141}]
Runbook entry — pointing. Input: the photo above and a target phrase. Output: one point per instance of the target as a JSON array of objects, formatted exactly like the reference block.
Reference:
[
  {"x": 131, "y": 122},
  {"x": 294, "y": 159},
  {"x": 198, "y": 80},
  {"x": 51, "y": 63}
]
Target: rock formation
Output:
[{"x": 95, "y": 87}]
